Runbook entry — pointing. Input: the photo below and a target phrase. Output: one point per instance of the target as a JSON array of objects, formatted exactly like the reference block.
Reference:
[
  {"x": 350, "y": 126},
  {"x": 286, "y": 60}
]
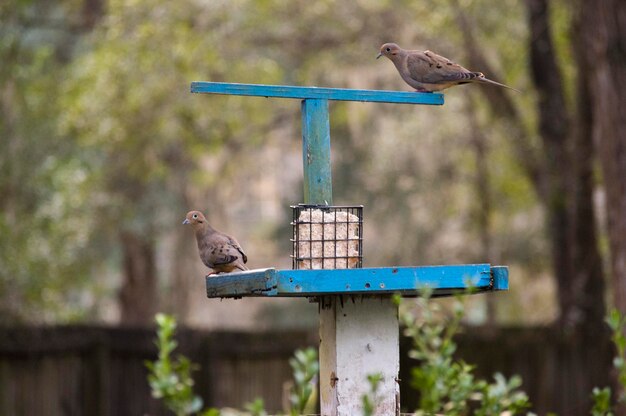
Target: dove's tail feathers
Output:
[
  {"x": 465, "y": 77},
  {"x": 481, "y": 78}
]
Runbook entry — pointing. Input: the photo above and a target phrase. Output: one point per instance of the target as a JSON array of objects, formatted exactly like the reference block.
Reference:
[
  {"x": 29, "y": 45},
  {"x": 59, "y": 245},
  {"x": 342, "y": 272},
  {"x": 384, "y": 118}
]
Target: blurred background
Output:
[{"x": 103, "y": 150}]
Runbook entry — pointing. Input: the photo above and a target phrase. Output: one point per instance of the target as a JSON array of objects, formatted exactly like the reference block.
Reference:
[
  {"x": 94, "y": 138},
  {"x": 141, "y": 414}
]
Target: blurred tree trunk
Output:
[
  {"x": 587, "y": 260},
  {"x": 91, "y": 13},
  {"x": 562, "y": 174},
  {"x": 138, "y": 295},
  {"x": 576, "y": 259},
  {"x": 568, "y": 145},
  {"x": 561, "y": 171},
  {"x": 603, "y": 54}
]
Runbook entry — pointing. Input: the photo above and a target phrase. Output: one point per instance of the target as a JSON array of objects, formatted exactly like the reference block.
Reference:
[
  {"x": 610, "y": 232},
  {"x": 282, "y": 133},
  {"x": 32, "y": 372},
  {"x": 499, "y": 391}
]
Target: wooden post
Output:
[
  {"x": 318, "y": 187},
  {"x": 358, "y": 337}
]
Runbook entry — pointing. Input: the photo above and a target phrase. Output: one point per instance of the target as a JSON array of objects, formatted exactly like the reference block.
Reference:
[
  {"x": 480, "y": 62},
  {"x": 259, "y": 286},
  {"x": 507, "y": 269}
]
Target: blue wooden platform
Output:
[
  {"x": 407, "y": 281},
  {"x": 308, "y": 93}
]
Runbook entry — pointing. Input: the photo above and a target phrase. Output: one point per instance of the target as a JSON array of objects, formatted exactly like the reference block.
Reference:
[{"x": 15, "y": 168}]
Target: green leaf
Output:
[{"x": 170, "y": 379}]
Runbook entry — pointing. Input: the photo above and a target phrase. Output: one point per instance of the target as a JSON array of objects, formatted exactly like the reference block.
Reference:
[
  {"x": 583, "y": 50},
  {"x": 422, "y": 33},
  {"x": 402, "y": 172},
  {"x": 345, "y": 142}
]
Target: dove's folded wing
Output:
[
  {"x": 430, "y": 68},
  {"x": 234, "y": 244}
]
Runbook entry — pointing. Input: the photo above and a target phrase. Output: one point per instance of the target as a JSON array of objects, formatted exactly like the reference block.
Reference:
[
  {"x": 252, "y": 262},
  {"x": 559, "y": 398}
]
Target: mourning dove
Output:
[
  {"x": 427, "y": 72},
  {"x": 218, "y": 251}
]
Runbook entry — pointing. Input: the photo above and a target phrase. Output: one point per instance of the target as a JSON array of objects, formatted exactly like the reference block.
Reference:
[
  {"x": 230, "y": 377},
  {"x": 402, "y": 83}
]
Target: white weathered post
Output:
[{"x": 358, "y": 337}]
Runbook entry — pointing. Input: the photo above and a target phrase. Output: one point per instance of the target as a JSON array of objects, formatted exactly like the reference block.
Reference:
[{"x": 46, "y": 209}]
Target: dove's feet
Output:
[{"x": 423, "y": 90}]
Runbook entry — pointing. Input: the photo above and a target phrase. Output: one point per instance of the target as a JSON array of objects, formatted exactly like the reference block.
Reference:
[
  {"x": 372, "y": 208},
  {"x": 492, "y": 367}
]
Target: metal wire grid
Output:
[{"x": 321, "y": 243}]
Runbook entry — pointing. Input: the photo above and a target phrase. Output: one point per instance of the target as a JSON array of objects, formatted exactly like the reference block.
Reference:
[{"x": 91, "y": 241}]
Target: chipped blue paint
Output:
[
  {"x": 316, "y": 152},
  {"x": 408, "y": 281},
  {"x": 500, "y": 277},
  {"x": 305, "y": 93},
  {"x": 261, "y": 282}
]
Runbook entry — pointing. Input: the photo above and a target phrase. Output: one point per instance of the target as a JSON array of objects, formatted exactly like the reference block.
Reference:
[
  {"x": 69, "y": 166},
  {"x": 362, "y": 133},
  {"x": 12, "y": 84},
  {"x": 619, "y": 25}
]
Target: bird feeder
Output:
[
  {"x": 358, "y": 336},
  {"x": 327, "y": 237}
]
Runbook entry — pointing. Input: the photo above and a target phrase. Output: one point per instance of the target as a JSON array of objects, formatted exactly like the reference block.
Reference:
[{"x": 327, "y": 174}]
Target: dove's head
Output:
[
  {"x": 195, "y": 218},
  {"x": 390, "y": 50}
]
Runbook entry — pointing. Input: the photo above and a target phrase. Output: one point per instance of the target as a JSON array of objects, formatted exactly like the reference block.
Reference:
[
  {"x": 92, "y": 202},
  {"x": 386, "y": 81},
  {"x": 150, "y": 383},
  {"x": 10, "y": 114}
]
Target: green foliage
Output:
[
  {"x": 256, "y": 408},
  {"x": 501, "y": 396},
  {"x": 170, "y": 379},
  {"x": 370, "y": 399},
  {"x": 617, "y": 323},
  {"x": 602, "y": 397},
  {"x": 601, "y": 402},
  {"x": 305, "y": 367},
  {"x": 447, "y": 385},
  {"x": 46, "y": 249}
]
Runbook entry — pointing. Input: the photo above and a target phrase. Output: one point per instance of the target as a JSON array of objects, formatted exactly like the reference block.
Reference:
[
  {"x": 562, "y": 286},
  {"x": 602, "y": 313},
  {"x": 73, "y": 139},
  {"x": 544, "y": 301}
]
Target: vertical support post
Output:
[
  {"x": 358, "y": 337},
  {"x": 318, "y": 188}
]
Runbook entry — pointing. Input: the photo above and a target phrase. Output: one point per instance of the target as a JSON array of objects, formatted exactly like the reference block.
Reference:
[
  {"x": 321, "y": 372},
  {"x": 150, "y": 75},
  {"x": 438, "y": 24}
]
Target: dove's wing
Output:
[
  {"x": 430, "y": 68},
  {"x": 216, "y": 250},
  {"x": 236, "y": 246},
  {"x": 225, "y": 250}
]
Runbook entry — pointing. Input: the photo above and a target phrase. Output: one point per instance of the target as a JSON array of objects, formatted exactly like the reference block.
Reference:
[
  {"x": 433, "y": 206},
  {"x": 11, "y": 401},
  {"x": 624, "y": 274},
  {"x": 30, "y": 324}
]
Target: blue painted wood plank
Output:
[
  {"x": 337, "y": 94},
  {"x": 500, "y": 277},
  {"x": 383, "y": 280},
  {"x": 260, "y": 282},
  {"x": 443, "y": 280},
  {"x": 316, "y": 152}
]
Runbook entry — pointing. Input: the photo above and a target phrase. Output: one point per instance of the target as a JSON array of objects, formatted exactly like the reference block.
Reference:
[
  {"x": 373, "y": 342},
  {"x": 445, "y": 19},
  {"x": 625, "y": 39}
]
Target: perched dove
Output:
[
  {"x": 219, "y": 251},
  {"x": 427, "y": 72}
]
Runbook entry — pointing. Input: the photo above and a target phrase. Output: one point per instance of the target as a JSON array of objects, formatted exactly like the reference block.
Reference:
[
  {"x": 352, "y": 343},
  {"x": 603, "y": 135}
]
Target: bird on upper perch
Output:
[
  {"x": 218, "y": 251},
  {"x": 427, "y": 72}
]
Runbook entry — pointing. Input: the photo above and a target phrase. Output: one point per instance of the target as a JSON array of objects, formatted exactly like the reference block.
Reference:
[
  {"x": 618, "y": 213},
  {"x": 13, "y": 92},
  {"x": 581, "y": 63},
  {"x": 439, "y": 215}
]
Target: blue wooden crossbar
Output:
[
  {"x": 408, "y": 281},
  {"x": 305, "y": 93}
]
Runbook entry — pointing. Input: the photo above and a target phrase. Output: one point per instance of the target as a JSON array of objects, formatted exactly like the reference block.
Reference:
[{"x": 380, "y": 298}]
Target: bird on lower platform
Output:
[
  {"x": 427, "y": 72},
  {"x": 218, "y": 251}
]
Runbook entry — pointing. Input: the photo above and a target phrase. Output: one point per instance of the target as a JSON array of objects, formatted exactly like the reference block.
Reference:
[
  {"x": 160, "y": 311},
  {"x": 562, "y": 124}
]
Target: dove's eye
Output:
[
  {"x": 195, "y": 216},
  {"x": 388, "y": 49}
]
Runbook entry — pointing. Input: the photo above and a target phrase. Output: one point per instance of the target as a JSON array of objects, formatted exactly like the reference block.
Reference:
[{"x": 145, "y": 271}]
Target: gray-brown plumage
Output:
[
  {"x": 218, "y": 251},
  {"x": 427, "y": 72}
]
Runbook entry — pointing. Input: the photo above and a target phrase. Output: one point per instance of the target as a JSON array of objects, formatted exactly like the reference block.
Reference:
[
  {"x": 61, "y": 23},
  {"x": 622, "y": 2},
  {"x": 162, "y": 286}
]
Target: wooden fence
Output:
[{"x": 81, "y": 370}]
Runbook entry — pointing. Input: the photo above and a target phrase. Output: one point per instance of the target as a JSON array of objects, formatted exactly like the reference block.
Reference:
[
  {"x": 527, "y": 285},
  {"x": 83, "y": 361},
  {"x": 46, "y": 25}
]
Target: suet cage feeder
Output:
[{"x": 327, "y": 237}]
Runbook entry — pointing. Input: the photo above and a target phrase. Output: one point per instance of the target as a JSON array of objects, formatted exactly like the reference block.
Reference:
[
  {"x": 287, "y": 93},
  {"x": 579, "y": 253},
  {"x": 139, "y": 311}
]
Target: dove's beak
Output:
[
  {"x": 379, "y": 55},
  {"x": 186, "y": 221}
]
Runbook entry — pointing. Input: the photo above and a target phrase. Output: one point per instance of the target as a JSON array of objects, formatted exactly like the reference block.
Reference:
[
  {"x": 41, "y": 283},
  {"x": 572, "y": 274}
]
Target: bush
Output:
[
  {"x": 447, "y": 385},
  {"x": 170, "y": 379}
]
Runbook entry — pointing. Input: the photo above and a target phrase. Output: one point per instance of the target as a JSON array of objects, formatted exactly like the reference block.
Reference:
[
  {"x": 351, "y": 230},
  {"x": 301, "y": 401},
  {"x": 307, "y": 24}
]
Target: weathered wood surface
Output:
[
  {"x": 305, "y": 93},
  {"x": 316, "y": 152},
  {"x": 100, "y": 371},
  {"x": 360, "y": 337},
  {"x": 408, "y": 281}
]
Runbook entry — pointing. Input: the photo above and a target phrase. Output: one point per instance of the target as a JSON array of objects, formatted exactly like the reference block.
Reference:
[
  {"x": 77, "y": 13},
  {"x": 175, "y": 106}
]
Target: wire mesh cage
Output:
[{"x": 327, "y": 237}]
